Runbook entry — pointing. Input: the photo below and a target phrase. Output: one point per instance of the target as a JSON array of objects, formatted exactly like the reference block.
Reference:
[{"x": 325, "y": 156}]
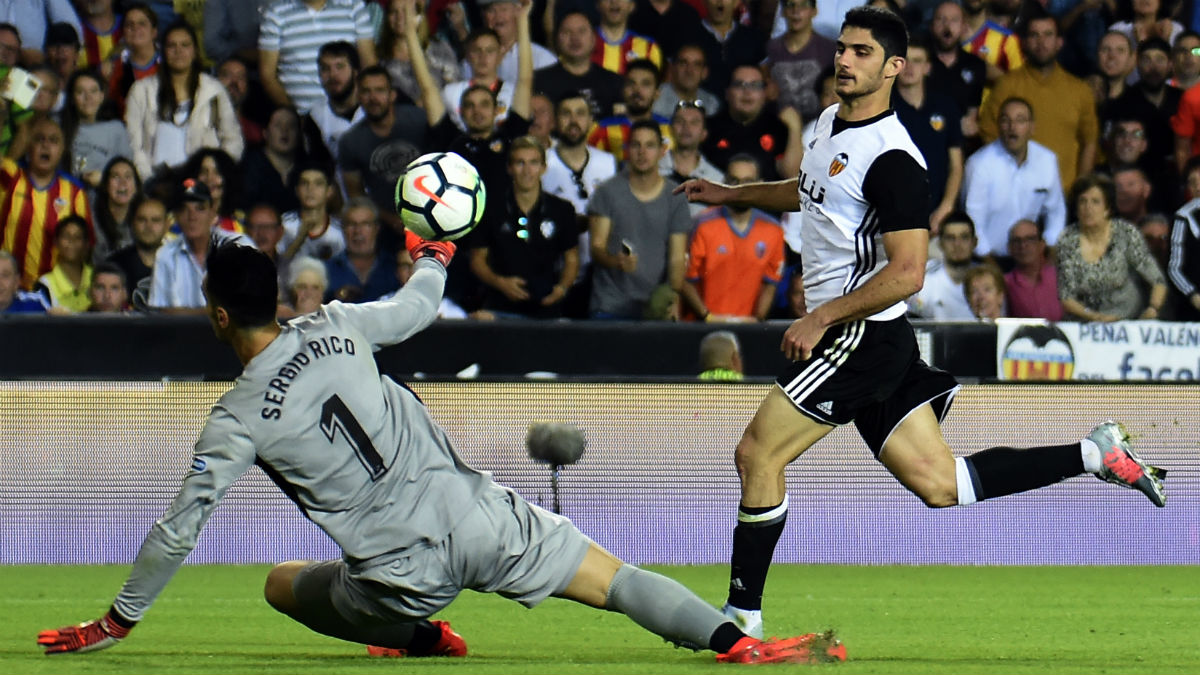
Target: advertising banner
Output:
[{"x": 1117, "y": 352}]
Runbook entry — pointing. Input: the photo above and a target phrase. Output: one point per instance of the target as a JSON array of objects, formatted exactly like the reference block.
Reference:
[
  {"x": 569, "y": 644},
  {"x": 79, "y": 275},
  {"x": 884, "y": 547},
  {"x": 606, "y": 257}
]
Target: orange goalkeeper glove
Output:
[
  {"x": 441, "y": 251},
  {"x": 103, "y": 633}
]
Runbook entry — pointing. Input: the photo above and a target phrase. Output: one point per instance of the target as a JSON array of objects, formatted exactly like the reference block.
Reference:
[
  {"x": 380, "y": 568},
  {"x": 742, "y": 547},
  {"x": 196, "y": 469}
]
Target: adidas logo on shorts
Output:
[{"x": 826, "y": 407}]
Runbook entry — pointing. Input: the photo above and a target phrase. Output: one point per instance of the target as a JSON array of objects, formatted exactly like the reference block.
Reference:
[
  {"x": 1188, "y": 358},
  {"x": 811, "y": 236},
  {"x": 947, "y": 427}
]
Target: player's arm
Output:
[
  {"x": 776, "y": 197},
  {"x": 223, "y": 453},
  {"x": 431, "y": 96}
]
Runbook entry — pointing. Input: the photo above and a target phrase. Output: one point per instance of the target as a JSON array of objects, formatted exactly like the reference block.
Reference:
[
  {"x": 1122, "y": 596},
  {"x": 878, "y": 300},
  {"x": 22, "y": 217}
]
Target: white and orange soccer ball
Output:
[{"x": 440, "y": 197}]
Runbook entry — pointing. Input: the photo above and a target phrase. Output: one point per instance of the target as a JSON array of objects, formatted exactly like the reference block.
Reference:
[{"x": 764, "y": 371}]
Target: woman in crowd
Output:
[
  {"x": 139, "y": 58},
  {"x": 91, "y": 131},
  {"x": 68, "y": 284},
  {"x": 180, "y": 110},
  {"x": 307, "y": 284},
  {"x": 393, "y": 53},
  {"x": 1101, "y": 257},
  {"x": 1143, "y": 19},
  {"x": 217, "y": 170},
  {"x": 984, "y": 287},
  {"x": 119, "y": 186}
]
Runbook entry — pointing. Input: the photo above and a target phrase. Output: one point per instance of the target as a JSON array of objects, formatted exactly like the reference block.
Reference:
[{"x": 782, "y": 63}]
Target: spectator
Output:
[
  {"x": 140, "y": 57},
  {"x": 504, "y": 17},
  {"x": 119, "y": 187},
  {"x": 311, "y": 230},
  {"x": 101, "y": 35},
  {"x": 574, "y": 168},
  {"x": 235, "y": 77},
  {"x": 93, "y": 133},
  {"x": 638, "y": 231},
  {"x": 720, "y": 357},
  {"x": 1116, "y": 59},
  {"x": 1156, "y": 230},
  {"x": 307, "y": 285},
  {"x": 984, "y": 288},
  {"x": 796, "y": 58},
  {"x": 930, "y": 117},
  {"x": 48, "y": 101},
  {"x": 735, "y": 258},
  {"x": 30, "y": 19},
  {"x": 13, "y": 300},
  {"x": 231, "y": 29},
  {"x": 1185, "y": 61},
  {"x": 672, "y": 23},
  {"x": 483, "y": 59},
  {"x": 527, "y": 252},
  {"x": 616, "y": 45},
  {"x": 1032, "y": 285},
  {"x": 789, "y": 304},
  {"x": 1132, "y": 196},
  {"x": 1013, "y": 178},
  {"x": 1183, "y": 266},
  {"x": 745, "y": 125},
  {"x": 955, "y": 71},
  {"x": 220, "y": 175},
  {"x": 541, "y": 120},
  {"x": 1145, "y": 19},
  {"x": 149, "y": 227},
  {"x": 338, "y": 66},
  {"x": 264, "y": 228},
  {"x": 1100, "y": 258},
  {"x": 34, "y": 197},
  {"x": 68, "y": 284},
  {"x": 265, "y": 170},
  {"x": 1128, "y": 146},
  {"x": 688, "y": 69},
  {"x": 62, "y": 50},
  {"x": 826, "y": 90},
  {"x": 1151, "y": 99},
  {"x": 110, "y": 290},
  {"x": 728, "y": 44},
  {"x": 180, "y": 110},
  {"x": 575, "y": 71},
  {"x": 13, "y": 117},
  {"x": 942, "y": 297},
  {"x": 290, "y": 37},
  {"x": 1064, "y": 105},
  {"x": 373, "y": 153},
  {"x": 361, "y": 272},
  {"x": 684, "y": 161},
  {"x": 176, "y": 280},
  {"x": 1083, "y": 24},
  {"x": 393, "y": 52},
  {"x": 988, "y": 34}
]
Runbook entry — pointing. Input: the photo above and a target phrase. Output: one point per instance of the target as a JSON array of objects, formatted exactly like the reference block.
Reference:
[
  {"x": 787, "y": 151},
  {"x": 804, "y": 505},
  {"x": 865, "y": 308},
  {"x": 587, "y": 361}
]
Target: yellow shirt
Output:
[
  {"x": 65, "y": 294},
  {"x": 1064, "y": 113}
]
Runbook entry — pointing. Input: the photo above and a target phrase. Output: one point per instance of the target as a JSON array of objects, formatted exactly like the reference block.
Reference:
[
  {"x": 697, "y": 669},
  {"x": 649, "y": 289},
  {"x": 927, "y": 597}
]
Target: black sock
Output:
[
  {"x": 725, "y": 637},
  {"x": 425, "y": 637},
  {"x": 753, "y": 547},
  {"x": 1006, "y": 471}
]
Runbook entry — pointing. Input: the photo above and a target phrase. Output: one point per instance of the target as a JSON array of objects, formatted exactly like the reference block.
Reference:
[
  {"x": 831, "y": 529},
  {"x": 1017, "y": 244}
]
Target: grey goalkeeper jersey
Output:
[{"x": 355, "y": 451}]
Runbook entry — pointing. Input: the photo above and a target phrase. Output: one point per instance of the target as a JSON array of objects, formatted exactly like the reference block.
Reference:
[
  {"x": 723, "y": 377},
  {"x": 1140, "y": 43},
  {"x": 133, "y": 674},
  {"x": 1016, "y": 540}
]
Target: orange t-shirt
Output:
[{"x": 729, "y": 267}]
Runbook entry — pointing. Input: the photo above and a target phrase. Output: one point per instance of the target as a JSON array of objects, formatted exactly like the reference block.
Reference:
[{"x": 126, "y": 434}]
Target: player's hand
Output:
[
  {"x": 86, "y": 637},
  {"x": 704, "y": 191},
  {"x": 802, "y": 337},
  {"x": 441, "y": 251}
]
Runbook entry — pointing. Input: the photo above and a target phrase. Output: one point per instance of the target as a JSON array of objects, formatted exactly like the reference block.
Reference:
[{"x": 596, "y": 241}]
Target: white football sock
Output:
[
  {"x": 1092, "y": 459},
  {"x": 962, "y": 476}
]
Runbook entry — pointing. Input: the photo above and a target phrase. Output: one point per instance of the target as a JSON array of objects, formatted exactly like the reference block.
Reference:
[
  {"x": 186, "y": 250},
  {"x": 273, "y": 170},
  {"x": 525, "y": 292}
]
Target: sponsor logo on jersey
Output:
[
  {"x": 814, "y": 192},
  {"x": 838, "y": 164}
]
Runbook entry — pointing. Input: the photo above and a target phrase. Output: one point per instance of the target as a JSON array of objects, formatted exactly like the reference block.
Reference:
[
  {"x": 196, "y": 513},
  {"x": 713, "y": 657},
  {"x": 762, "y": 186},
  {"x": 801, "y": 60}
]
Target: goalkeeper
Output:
[{"x": 361, "y": 457}]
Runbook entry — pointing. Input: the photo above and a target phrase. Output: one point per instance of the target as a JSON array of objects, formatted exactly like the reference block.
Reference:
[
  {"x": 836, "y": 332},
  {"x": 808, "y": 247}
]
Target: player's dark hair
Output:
[
  {"x": 340, "y": 48},
  {"x": 958, "y": 217},
  {"x": 646, "y": 65},
  {"x": 242, "y": 280},
  {"x": 646, "y": 124},
  {"x": 886, "y": 27}
]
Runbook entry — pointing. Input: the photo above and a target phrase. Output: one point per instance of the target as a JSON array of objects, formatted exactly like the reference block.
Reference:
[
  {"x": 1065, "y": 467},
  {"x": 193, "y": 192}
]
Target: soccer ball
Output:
[{"x": 440, "y": 197}]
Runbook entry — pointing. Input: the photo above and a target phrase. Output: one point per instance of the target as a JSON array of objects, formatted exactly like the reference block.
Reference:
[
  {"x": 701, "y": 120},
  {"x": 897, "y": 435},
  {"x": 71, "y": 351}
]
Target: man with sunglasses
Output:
[
  {"x": 746, "y": 126},
  {"x": 685, "y": 160}
]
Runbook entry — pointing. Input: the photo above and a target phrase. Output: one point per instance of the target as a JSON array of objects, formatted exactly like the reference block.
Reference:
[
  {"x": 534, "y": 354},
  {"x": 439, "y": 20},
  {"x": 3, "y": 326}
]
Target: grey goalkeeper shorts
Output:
[{"x": 505, "y": 545}]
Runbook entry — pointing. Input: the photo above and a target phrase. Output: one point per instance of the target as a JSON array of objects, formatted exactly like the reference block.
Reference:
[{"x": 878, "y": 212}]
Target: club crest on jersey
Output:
[
  {"x": 760, "y": 249},
  {"x": 838, "y": 164},
  {"x": 937, "y": 122}
]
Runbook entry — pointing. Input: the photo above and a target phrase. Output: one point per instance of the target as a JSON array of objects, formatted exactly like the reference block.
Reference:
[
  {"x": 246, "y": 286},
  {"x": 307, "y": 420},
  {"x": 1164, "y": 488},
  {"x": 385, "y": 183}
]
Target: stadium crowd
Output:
[{"x": 1061, "y": 137}]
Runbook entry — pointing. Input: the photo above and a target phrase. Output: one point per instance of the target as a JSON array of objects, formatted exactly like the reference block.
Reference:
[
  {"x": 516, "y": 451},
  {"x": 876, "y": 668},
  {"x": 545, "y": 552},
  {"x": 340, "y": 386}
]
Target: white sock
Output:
[
  {"x": 966, "y": 488},
  {"x": 1092, "y": 460},
  {"x": 748, "y": 620}
]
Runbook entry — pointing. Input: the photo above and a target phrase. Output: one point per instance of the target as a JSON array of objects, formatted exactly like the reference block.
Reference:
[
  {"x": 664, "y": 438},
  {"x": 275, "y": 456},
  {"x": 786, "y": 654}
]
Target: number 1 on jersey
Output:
[{"x": 335, "y": 417}]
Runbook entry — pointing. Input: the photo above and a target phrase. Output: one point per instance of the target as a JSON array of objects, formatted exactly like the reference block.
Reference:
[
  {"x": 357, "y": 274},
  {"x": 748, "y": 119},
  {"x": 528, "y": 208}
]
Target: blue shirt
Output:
[
  {"x": 380, "y": 281},
  {"x": 27, "y": 302}
]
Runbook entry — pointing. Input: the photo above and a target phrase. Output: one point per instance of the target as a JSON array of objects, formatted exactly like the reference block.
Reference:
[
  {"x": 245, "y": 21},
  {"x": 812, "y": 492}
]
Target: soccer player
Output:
[
  {"x": 862, "y": 191},
  {"x": 362, "y": 458}
]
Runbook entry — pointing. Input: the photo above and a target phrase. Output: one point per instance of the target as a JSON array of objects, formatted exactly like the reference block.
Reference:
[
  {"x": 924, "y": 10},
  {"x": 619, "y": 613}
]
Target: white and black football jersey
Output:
[{"x": 857, "y": 181}]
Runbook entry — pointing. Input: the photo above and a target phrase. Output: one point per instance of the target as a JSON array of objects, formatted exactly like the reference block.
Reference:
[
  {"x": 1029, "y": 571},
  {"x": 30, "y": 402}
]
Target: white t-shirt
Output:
[
  {"x": 170, "y": 139},
  {"x": 323, "y": 246}
]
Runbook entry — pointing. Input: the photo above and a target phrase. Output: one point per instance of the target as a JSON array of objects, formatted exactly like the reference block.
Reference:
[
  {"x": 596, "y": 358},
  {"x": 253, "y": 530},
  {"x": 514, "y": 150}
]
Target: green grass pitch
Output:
[{"x": 212, "y": 619}]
